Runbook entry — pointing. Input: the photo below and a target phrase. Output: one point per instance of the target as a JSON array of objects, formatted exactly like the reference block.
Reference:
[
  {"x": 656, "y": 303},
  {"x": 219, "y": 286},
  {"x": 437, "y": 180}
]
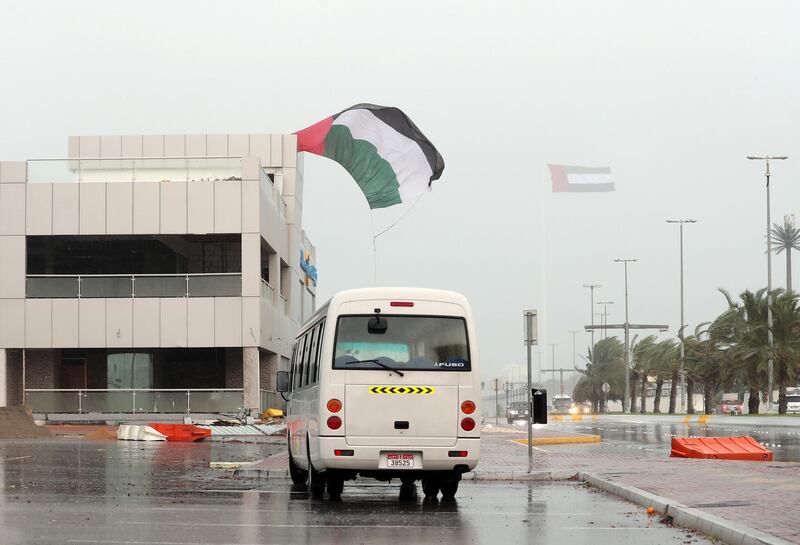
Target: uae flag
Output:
[
  {"x": 382, "y": 149},
  {"x": 580, "y": 179}
]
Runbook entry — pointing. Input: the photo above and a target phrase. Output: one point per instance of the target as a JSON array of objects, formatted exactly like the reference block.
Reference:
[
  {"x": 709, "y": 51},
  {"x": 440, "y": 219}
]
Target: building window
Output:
[{"x": 128, "y": 370}]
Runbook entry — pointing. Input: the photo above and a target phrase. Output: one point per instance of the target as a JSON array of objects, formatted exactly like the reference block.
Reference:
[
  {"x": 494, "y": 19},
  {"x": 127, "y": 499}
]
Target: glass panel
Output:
[
  {"x": 160, "y": 286},
  {"x": 106, "y": 286},
  {"x": 110, "y": 402},
  {"x": 266, "y": 291},
  {"x": 128, "y": 170},
  {"x": 407, "y": 342},
  {"x": 51, "y": 287},
  {"x": 214, "y": 285},
  {"x": 52, "y": 402},
  {"x": 161, "y": 402},
  {"x": 130, "y": 370},
  {"x": 215, "y": 402}
]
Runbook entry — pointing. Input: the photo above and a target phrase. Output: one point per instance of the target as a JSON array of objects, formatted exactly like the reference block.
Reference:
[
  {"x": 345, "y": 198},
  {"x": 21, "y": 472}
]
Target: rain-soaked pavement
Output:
[
  {"x": 647, "y": 433},
  {"x": 78, "y": 491}
]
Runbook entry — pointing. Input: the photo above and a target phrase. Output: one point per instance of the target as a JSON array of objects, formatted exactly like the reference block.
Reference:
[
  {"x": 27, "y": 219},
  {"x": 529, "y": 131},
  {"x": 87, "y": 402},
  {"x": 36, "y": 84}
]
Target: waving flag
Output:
[
  {"x": 382, "y": 149},
  {"x": 580, "y": 179}
]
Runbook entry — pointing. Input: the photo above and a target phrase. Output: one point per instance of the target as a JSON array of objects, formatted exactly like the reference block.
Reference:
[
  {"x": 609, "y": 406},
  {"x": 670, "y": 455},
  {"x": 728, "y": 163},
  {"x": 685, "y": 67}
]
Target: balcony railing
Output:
[
  {"x": 199, "y": 400},
  {"x": 134, "y": 285},
  {"x": 184, "y": 169}
]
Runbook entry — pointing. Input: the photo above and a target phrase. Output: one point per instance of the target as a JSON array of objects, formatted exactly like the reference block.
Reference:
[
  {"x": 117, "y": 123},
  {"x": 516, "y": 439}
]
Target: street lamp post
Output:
[
  {"x": 591, "y": 305},
  {"x": 605, "y": 315},
  {"x": 767, "y": 159},
  {"x": 626, "y": 400},
  {"x": 682, "y": 323}
]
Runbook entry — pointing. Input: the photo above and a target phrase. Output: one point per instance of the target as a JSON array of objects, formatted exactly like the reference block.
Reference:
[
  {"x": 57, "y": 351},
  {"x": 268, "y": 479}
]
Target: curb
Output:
[
  {"x": 471, "y": 476},
  {"x": 560, "y": 440},
  {"x": 729, "y": 532}
]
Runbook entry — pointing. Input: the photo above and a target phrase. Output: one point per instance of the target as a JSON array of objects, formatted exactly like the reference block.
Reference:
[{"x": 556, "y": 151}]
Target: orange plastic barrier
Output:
[
  {"x": 181, "y": 432},
  {"x": 720, "y": 448}
]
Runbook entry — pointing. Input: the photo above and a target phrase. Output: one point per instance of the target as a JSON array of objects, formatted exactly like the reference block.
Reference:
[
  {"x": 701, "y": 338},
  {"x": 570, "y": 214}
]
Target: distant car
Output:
[
  {"x": 731, "y": 406},
  {"x": 581, "y": 408},
  {"x": 517, "y": 411}
]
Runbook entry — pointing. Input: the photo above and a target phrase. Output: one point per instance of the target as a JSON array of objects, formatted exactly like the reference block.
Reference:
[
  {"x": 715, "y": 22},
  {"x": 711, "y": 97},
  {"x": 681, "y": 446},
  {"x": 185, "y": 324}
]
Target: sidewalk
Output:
[{"x": 764, "y": 496}]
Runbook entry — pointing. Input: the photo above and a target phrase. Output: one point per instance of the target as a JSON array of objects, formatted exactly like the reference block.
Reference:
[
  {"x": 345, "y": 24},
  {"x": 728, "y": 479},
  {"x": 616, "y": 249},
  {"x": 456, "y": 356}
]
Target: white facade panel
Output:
[
  {"x": 152, "y": 145},
  {"x": 92, "y": 323},
  {"x": 12, "y": 267},
  {"x": 227, "y": 207},
  {"x": 119, "y": 208},
  {"x": 174, "y": 145},
  {"x": 146, "y": 206},
  {"x": 66, "y": 206},
  {"x": 173, "y": 322},
  {"x": 201, "y": 321},
  {"x": 251, "y": 321},
  {"x": 92, "y": 216},
  {"x": 195, "y": 145},
  {"x": 12, "y": 323},
  {"x": 250, "y": 207},
  {"x": 259, "y": 147},
  {"x": 173, "y": 207},
  {"x": 38, "y": 209},
  {"x": 200, "y": 207},
  {"x": 251, "y": 264},
  {"x": 289, "y": 149},
  {"x": 13, "y": 172},
  {"x": 238, "y": 145},
  {"x": 132, "y": 146},
  {"x": 228, "y": 321},
  {"x": 119, "y": 322},
  {"x": 217, "y": 145},
  {"x": 65, "y": 323},
  {"x": 89, "y": 147},
  {"x": 146, "y": 322},
  {"x": 111, "y": 146},
  {"x": 12, "y": 209},
  {"x": 276, "y": 150},
  {"x": 38, "y": 323}
]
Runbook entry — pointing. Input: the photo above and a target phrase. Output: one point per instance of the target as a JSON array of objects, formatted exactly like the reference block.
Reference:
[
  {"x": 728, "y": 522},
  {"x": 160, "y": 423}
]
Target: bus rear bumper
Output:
[{"x": 462, "y": 456}]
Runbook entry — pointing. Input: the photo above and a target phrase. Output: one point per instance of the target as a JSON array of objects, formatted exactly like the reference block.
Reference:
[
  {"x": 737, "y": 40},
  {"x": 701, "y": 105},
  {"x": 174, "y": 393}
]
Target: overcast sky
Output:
[{"x": 671, "y": 95}]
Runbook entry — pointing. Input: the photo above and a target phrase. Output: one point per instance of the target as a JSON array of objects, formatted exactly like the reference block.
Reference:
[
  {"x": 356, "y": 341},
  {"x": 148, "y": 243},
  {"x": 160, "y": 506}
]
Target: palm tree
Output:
[
  {"x": 642, "y": 362},
  {"x": 786, "y": 238},
  {"x": 665, "y": 361},
  {"x": 786, "y": 346},
  {"x": 705, "y": 357},
  {"x": 743, "y": 329},
  {"x": 604, "y": 364}
]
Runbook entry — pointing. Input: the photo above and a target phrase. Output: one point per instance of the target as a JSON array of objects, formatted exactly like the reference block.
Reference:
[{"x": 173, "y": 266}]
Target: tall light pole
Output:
[
  {"x": 591, "y": 305},
  {"x": 682, "y": 322},
  {"x": 767, "y": 159},
  {"x": 627, "y": 326},
  {"x": 605, "y": 315},
  {"x": 574, "y": 351},
  {"x": 553, "y": 352}
]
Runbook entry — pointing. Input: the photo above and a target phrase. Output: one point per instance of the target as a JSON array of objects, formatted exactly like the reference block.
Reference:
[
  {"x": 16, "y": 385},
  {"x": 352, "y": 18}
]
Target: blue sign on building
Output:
[{"x": 308, "y": 268}]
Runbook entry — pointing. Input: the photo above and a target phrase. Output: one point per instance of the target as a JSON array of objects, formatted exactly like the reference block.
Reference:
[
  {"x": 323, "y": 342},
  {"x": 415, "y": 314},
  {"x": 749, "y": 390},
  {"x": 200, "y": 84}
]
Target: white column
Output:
[
  {"x": 251, "y": 383},
  {"x": 3, "y": 380}
]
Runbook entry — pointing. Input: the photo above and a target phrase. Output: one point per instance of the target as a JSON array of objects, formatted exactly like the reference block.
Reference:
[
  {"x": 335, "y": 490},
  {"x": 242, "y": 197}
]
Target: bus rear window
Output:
[{"x": 427, "y": 343}]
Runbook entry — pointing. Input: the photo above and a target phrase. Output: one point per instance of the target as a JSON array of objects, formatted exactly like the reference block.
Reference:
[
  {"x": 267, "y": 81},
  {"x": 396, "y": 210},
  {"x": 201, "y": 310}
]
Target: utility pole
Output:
[
  {"x": 574, "y": 351},
  {"x": 553, "y": 360},
  {"x": 591, "y": 305},
  {"x": 626, "y": 400},
  {"x": 531, "y": 338},
  {"x": 683, "y": 322},
  {"x": 767, "y": 159}
]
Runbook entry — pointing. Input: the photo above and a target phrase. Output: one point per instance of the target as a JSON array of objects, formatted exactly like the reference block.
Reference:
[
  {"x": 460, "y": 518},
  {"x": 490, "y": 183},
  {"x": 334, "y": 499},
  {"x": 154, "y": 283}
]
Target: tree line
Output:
[{"x": 729, "y": 354}]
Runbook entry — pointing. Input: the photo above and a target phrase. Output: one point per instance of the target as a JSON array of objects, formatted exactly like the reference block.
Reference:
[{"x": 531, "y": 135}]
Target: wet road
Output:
[
  {"x": 648, "y": 433},
  {"x": 72, "y": 491}
]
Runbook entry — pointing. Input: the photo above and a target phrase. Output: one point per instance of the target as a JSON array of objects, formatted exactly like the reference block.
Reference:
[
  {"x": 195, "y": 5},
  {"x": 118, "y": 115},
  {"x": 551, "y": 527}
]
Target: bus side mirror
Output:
[
  {"x": 539, "y": 398},
  {"x": 282, "y": 381}
]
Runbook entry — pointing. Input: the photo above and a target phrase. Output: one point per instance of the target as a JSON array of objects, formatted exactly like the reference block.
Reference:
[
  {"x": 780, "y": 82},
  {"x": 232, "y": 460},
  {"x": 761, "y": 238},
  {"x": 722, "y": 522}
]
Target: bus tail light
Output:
[
  {"x": 457, "y": 453},
  {"x": 334, "y": 405},
  {"x": 467, "y": 424},
  {"x": 401, "y": 304},
  {"x": 343, "y": 452},
  {"x": 468, "y": 407},
  {"x": 334, "y": 422}
]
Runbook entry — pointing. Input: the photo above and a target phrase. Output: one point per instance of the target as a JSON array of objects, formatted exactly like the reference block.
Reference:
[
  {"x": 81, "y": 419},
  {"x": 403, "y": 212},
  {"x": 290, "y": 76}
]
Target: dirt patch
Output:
[
  {"x": 102, "y": 434},
  {"x": 17, "y": 423}
]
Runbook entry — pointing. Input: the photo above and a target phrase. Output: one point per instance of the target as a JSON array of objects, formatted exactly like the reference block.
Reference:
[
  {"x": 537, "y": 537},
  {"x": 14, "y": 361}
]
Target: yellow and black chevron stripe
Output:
[{"x": 416, "y": 390}]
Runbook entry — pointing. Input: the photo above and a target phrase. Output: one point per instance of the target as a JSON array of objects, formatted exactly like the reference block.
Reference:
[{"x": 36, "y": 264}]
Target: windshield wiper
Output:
[{"x": 387, "y": 367}]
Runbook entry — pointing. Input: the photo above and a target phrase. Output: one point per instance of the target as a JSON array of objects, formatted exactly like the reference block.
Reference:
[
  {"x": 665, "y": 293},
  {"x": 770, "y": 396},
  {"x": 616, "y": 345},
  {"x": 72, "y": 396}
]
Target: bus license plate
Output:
[{"x": 400, "y": 460}]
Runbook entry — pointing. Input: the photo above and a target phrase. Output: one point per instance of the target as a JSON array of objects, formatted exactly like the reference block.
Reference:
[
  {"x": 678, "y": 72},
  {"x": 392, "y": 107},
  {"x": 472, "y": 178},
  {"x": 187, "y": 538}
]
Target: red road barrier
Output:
[
  {"x": 180, "y": 432},
  {"x": 720, "y": 448}
]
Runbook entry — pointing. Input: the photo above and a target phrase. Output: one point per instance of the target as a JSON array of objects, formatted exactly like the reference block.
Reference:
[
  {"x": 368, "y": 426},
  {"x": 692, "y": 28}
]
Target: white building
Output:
[{"x": 152, "y": 273}]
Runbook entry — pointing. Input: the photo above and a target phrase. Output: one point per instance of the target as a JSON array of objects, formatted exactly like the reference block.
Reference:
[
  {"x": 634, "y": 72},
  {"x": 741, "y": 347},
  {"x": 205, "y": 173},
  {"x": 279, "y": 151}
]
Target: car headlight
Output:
[{"x": 573, "y": 410}]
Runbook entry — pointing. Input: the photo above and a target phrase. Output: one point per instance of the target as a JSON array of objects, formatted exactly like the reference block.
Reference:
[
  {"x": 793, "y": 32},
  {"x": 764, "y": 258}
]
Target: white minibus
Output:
[{"x": 384, "y": 383}]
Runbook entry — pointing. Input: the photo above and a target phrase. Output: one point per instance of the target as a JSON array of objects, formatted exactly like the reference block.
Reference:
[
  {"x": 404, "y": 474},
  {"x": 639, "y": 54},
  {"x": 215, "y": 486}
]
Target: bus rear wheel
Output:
[
  {"x": 335, "y": 487},
  {"x": 298, "y": 475},
  {"x": 430, "y": 487},
  {"x": 449, "y": 489}
]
